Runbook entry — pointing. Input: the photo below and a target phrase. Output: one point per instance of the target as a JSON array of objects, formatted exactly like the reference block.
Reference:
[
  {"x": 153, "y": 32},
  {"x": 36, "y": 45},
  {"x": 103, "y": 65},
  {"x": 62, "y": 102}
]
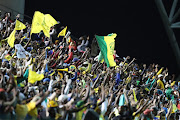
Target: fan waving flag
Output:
[
  {"x": 11, "y": 38},
  {"x": 19, "y": 25},
  {"x": 106, "y": 45},
  {"x": 33, "y": 76},
  {"x": 47, "y": 23},
  {"x": 36, "y": 22},
  {"x": 42, "y": 22}
]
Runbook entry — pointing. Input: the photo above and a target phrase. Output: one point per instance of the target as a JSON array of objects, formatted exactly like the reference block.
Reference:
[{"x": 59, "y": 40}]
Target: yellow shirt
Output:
[
  {"x": 33, "y": 113},
  {"x": 160, "y": 84},
  {"x": 22, "y": 110}
]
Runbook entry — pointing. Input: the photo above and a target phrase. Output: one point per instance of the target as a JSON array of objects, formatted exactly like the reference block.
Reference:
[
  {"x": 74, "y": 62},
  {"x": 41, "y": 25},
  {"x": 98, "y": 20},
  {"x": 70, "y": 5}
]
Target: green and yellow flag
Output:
[
  {"x": 63, "y": 32},
  {"x": 106, "y": 45},
  {"x": 19, "y": 25},
  {"x": 11, "y": 38},
  {"x": 42, "y": 22}
]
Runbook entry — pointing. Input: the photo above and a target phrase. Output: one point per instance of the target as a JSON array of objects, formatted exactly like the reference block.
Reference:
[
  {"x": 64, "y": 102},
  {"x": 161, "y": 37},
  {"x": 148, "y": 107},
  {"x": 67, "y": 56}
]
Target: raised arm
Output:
[{"x": 103, "y": 95}]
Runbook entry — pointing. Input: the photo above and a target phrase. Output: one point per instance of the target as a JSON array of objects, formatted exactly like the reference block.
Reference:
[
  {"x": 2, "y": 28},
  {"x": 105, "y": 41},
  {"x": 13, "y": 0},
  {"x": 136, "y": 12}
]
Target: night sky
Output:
[{"x": 140, "y": 30}]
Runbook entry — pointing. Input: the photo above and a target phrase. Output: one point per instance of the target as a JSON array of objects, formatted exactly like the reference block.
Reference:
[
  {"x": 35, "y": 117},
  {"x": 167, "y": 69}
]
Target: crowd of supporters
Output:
[{"x": 60, "y": 78}]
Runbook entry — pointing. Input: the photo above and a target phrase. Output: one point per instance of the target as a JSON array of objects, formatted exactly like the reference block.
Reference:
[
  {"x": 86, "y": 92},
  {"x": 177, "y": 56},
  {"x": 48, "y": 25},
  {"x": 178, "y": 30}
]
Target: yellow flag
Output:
[
  {"x": 19, "y": 25},
  {"x": 47, "y": 23},
  {"x": 33, "y": 76},
  {"x": 160, "y": 71},
  {"x": 36, "y": 22},
  {"x": 11, "y": 38},
  {"x": 42, "y": 22},
  {"x": 63, "y": 32}
]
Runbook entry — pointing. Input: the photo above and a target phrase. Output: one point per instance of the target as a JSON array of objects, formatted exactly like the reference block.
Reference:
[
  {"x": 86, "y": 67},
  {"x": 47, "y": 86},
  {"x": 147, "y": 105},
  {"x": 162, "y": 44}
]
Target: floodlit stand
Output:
[{"x": 169, "y": 24}]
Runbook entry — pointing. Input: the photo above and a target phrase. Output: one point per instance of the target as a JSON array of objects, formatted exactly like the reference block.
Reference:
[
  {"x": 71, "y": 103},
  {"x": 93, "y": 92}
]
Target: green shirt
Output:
[
  {"x": 168, "y": 92},
  {"x": 25, "y": 76}
]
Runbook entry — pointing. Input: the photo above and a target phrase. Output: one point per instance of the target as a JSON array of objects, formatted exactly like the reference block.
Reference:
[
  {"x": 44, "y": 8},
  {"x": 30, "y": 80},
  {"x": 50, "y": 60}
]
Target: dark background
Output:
[{"x": 140, "y": 30}]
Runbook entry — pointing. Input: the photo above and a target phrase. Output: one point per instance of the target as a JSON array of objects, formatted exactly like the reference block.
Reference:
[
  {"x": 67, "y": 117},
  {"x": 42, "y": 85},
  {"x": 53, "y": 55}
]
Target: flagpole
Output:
[
  {"x": 21, "y": 41},
  {"x": 27, "y": 42},
  {"x": 63, "y": 39}
]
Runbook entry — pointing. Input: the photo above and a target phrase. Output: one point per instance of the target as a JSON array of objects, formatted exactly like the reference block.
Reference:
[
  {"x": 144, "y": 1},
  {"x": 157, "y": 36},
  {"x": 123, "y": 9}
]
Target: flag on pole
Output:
[
  {"x": 11, "y": 38},
  {"x": 63, "y": 32},
  {"x": 19, "y": 25},
  {"x": 36, "y": 22},
  {"x": 100, "y": 57},
  {"x": 21, "y": 52},
  {"x": 42, "y": 22},
  {"x": 33, "y": 76},
  {"x": 106, "y": 45},
  {"x": 47, "y": 23}
]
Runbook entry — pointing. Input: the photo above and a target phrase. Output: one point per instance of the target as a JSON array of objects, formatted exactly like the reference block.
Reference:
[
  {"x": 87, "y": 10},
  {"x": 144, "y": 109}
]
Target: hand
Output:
[
  {"x": 88, "y": 103},
  {"x": 106, "y": 86},
  {"x": 18, "y": 15},
  {"x": 134, "y": 58},
  {"x": 108, "y": 69},
  {"x": 87, "y": 37},
  {"x": 166, "y": 74},
  {"x": 144, "y": 65},
  {"x": 155, "y": 90},
  {"x": 110, "y": 83},
  {"x": 9, "y": 15},
  {"x": 128, "y": 57},
  {"x": 156, "y": 65}
]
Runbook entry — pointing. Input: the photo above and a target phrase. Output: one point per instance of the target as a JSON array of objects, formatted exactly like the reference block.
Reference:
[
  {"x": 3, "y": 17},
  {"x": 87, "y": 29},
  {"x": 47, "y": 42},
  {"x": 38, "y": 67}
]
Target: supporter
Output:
[
  {"x": 46, "y": 78},
  {"x": 82, "y": 45}
]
